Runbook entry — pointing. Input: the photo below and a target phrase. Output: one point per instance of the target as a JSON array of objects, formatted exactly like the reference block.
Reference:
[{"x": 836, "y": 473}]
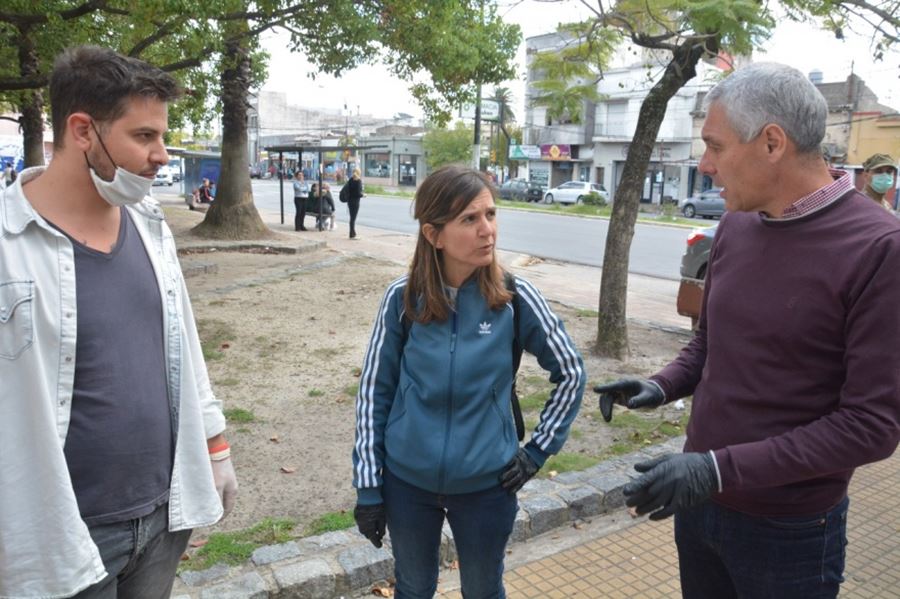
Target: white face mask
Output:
[{"x": 125, "y": 189}]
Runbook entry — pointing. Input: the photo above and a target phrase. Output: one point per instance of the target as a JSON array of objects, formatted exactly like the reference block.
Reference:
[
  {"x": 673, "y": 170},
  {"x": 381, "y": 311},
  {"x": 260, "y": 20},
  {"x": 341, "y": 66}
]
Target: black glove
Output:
[
  {"x": 518, "y": 472},
  {"x": 672, "y": 482},
  {"x": 371, "y": 521},
  {"x": 631, "y": 393}
]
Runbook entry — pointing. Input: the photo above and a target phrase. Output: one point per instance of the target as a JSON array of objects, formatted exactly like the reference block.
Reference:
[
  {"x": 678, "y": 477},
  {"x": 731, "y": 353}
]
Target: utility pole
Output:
[{"x": 476, "y": 144}]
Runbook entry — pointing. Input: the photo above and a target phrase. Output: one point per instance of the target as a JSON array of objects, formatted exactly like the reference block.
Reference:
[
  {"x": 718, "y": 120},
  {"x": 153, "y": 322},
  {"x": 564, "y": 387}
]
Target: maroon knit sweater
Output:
[{"x": 793, "y": 368}]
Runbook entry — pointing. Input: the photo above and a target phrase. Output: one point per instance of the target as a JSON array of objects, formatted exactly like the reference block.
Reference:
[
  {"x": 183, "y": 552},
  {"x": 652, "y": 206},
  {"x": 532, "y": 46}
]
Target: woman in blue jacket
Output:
[{"x": 435, "y": 432}]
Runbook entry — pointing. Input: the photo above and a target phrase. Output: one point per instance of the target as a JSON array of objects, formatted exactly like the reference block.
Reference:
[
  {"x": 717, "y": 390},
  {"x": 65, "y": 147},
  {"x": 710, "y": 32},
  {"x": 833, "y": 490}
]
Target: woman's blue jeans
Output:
[
  {"x": 725, "y": 554},
  {"x": 481, "y": 523}
]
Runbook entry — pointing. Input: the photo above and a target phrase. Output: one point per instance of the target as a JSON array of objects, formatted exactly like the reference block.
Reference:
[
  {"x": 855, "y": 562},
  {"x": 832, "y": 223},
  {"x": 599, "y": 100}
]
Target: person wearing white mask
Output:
[{"x": 111, "y": 440}]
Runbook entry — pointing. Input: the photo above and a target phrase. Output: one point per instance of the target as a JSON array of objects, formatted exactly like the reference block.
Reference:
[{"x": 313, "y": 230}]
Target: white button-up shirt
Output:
[{"x": 45, "y": 547}]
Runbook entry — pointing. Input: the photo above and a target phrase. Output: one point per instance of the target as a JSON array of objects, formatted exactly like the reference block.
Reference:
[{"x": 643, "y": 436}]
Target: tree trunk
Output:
[
  {"x": 31, "y": 103},
  {"x": 233, "y": 214},
  {"x": 612, "y": 330}
]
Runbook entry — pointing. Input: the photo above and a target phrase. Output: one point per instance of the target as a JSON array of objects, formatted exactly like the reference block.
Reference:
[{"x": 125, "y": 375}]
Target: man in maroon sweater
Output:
[{"x": 789, "y": 397}]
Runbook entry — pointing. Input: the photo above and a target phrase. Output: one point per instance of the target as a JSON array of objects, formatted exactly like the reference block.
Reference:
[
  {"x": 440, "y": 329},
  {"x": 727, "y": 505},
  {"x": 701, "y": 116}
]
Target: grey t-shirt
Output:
[{"x": 119, "y": 446}]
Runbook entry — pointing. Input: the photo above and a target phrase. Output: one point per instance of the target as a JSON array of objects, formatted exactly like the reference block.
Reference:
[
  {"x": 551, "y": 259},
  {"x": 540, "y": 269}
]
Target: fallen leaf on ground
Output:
[
  {"x": 199, "y": 543},
  {"x": 382, "y": 591},
  {"x": 288, "y": 469},
  {"x": 274, "y": 438},
  {"x": 185, "y": 557},
  {"x": 552, "y": 473},
  {"x": 225, "y": 345}
]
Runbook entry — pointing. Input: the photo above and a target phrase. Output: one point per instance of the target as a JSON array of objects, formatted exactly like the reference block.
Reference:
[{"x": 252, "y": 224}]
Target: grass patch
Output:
[
  {"x": 533, "y": 401},
  {"x": 216, "y": 303},
  {"x": 567, "y": 462},
  {"x": 329, "y": 522},
  {"x": 638, "y": 431},
  {"x": 234, "y": 548},
  {"x": 351, "y": 390},
  {"x": 534, "y": 380},
  {"x": 213, "y": 333},
  {"x": 583, "y": 313},
  {"x": 616, "y": 449},
  {"x": 316, "y": 393},
  {"x": 239, "y": 415},
  {"x": 229, "y": 382}
]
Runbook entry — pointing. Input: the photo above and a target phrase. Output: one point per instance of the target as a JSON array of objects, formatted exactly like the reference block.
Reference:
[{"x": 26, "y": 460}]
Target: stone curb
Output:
[{"x": 344, "y": 563}]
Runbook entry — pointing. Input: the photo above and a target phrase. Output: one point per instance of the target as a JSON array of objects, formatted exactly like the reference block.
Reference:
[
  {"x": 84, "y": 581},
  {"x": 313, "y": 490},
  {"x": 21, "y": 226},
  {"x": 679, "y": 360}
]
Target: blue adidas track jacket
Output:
[{"x": 436, "y": 410}]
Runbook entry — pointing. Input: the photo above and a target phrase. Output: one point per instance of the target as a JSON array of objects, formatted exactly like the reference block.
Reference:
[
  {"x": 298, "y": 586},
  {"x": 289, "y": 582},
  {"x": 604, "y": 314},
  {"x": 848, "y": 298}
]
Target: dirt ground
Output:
[{"x": 284, "y": 336}]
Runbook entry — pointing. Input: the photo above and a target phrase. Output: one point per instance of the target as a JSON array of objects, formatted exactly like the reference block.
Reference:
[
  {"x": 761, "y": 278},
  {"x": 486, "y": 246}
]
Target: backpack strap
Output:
[{"x": 509, "y": 281}]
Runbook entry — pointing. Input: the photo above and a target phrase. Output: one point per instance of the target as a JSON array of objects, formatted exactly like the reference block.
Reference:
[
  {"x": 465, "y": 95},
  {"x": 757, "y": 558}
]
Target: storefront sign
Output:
[
  {"x": 490, "y": 110},
  {"x": 517, "y": 152},
  {"x": 556, "y": 152},
  {"x": 659, "y": 152}
]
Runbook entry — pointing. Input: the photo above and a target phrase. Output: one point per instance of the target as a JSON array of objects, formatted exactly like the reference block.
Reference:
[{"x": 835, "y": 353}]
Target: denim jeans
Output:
[
  {"x": 481, "y": 523},
  {"x": 140, "y": 557},
  {"x": 723, "y": 554}
]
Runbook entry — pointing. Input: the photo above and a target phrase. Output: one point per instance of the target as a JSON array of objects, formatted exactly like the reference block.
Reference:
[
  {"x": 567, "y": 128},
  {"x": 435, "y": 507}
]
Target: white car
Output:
[
  {"x": 164, "y": 176},
  {"x": 574, "y": 192}
]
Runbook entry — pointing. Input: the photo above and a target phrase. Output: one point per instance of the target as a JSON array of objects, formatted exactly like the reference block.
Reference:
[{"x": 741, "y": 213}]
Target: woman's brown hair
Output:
[{"x": 443, "y": 195}]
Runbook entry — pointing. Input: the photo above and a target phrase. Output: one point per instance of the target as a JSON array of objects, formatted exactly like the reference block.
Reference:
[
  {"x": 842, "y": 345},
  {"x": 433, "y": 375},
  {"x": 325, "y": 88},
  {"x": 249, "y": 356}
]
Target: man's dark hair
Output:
[{"x": 100, "y": 81}]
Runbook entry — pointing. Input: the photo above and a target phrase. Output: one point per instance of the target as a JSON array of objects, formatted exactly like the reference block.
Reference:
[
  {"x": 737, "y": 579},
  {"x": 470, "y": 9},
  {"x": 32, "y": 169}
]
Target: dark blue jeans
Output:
[
  {"x": 481, "y": 523},
  {"x": 140, "y": 557},
  {"x": 725, "y": 554}
]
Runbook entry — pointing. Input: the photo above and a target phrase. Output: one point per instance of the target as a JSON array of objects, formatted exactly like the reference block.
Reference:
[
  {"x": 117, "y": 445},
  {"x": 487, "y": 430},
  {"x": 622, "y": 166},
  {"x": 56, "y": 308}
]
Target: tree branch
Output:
[
  {"x": 20, "y": 83},
  {"x": 66, "y": 15},
  {"x": 164, "y": 30}
]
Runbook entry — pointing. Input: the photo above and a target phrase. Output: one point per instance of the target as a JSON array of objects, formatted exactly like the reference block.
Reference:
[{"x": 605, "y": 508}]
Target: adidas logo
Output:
[{"x": 484, "y": 328}]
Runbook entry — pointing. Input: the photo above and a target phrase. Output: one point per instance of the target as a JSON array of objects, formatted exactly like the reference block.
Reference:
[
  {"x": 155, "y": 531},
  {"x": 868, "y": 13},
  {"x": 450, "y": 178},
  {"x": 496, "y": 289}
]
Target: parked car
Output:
[
  {"x": 694, "y": 264},
  {"x": 164, "y": 176},
  {"x": 175, "y": 169},
  {"x": 707, "y": 203},
  {"x": 255, "y": 171},
  {"x": 521, "y": 190},
  {"x": 573, "y": 192}
]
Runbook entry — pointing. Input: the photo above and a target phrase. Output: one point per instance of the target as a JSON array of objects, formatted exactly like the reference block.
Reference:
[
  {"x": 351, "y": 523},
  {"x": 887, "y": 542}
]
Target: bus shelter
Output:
[{"x": 300, "y": 148}]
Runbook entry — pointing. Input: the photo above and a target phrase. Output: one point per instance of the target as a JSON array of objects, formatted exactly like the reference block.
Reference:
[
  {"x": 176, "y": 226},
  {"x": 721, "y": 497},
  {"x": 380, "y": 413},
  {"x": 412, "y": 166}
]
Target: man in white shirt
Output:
[{"x": 111, "y": 440}]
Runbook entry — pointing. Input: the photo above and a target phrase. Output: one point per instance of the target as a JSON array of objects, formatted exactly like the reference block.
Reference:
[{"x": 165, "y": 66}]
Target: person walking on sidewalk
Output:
[
  {"x": 801, "y": 294},
  {"x": 434, "y": 432},
  {"x": 111, "y": 441},
  {"x": 354, "y": 193},
  {"x": 301, "y": 192}
]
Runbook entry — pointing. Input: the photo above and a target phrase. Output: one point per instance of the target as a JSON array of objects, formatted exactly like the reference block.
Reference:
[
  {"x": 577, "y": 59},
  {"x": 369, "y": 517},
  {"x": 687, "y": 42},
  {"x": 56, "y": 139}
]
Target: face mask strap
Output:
[{"x": 102, "y": 145}]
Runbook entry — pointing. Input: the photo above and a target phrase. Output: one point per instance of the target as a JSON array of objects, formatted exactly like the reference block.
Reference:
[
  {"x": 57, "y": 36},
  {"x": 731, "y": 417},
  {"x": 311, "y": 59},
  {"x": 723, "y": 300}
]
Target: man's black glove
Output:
[
  {"x": 518, "y": 472},
  {"x": 631, "y": 393},
  {"x": 672, "y": 482},
  {"x": 371, "y": 521}
]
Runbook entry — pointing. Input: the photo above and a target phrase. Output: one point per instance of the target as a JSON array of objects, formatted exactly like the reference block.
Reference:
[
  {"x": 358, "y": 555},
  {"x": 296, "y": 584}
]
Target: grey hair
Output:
[{"x": 767, "y": 92}]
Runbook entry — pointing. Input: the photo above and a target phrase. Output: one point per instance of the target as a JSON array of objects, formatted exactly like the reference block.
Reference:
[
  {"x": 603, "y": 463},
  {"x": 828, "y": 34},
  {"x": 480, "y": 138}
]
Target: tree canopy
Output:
[{"x": 448, "y": 146}]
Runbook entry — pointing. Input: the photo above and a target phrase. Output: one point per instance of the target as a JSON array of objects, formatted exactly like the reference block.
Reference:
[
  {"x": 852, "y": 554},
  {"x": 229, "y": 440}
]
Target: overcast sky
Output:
[{"x": 370, "y": 90}]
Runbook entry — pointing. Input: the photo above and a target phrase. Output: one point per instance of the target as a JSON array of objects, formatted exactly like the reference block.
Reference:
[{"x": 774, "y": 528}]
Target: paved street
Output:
[{"x": 656, "y": 250}]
